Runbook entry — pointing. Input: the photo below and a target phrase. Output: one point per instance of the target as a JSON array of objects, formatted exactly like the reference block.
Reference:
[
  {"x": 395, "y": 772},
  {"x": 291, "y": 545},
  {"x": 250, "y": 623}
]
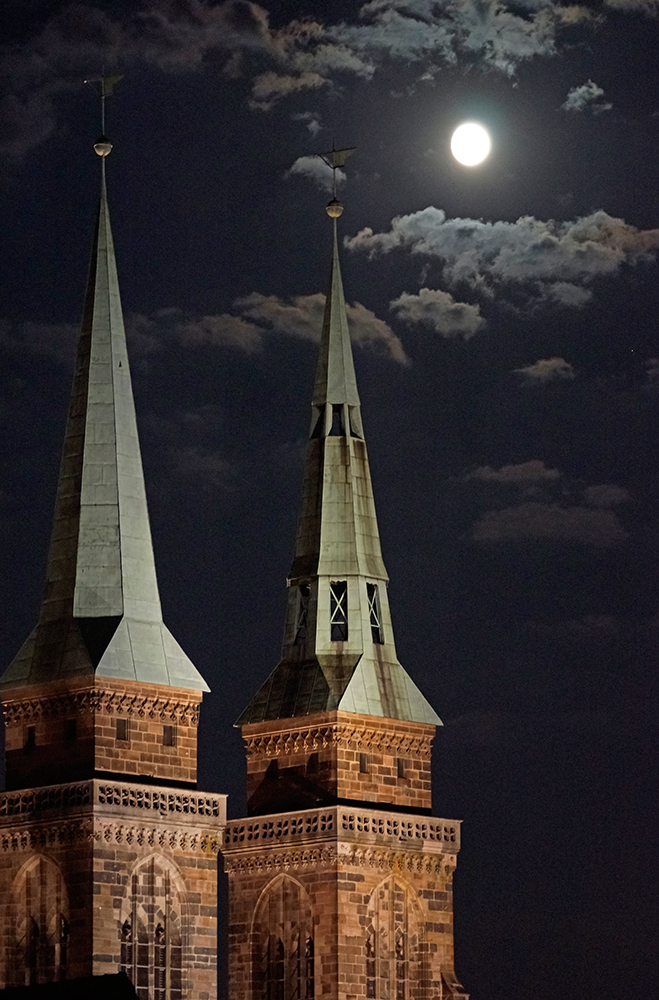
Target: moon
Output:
[{"x": 470, "y": 144}]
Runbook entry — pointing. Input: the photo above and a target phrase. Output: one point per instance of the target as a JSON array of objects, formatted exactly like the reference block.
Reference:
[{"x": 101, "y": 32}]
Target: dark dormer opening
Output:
[
  {"x": 338, "y": 611},
  {"x": 303, "y": 594},
  {"x": 338, "y": 428},
  {"x": 374, "y": 613}
]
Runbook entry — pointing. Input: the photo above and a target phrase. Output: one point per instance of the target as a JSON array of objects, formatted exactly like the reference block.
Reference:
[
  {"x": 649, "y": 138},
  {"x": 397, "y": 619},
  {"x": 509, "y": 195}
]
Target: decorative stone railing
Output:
[
  {"x": 339, "y": 823},
  {"x": 146, "y": 800}
]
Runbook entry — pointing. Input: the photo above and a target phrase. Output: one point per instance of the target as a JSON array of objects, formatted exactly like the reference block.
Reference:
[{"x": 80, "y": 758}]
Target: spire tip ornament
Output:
[
  {"x": 102, "y": 146},
  {"x": 334, "y": 208}
]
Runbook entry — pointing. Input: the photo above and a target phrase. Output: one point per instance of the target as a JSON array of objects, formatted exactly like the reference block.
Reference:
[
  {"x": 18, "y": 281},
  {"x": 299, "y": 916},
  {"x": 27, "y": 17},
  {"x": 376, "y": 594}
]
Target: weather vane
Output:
[
  {"x": 336, "y": 159},
  {"x": 103, "y": 146}
]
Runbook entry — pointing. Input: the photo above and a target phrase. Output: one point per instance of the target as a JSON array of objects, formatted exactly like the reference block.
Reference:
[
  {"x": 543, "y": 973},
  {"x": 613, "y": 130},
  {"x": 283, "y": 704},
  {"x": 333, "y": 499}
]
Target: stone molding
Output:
[
  {"x": 98, "y": 700},
  {"x": 188, "y": 808},
  {"x": 39, "y": 837},
  {"x": 437, "y": 836},
  {"x": 350, "y": 737},
  {"x": 193, "y": 842},
  {"x": 343, "y": 856}
]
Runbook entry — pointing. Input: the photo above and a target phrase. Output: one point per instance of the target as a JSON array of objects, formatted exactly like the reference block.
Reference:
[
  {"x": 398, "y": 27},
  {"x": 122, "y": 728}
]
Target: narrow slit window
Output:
[
  {"x": 338, "y": 428},
  {"x": 169, "y": 736},
  {"x": 339, "y": 611},
  {"x": 302, "y": 613},
  {"x": 30, "y": 738},
  {"x": 122, "y": 730},
  {"x": 363, "y": 763},
  {"x": 374, "y": 613},
  {"x": 70, "y": 730},
  {"x": 401, "y": 764}
]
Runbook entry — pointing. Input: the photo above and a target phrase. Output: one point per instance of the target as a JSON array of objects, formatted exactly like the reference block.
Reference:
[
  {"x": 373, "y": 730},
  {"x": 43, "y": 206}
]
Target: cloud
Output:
[
  {"x": 270, "y": 87},
  {"x": 606, "y": 495},
  {"x": 547, "y": 370},
  {"x": 303, "y": 317},
  {"x": 588, "y": 95},
  {"x": 547, "y": 259},
  {"x": 311, "y": 120},
  {"x": 185, "y": 445},
  {"x": 276, "y": 62},
  {"x": 440, "y": 311},
  {"x": 648, "y": 7},
  {"x": 256, "y": 318},
  {"x": 533, "y": 471},
  {"x": 544, "y": 522},
  {"x": 315, "y": 169},
  {"x": 485, "y": 30},
  {"x": 51, "y": 340},
  {"x": 220, "y": 331}
]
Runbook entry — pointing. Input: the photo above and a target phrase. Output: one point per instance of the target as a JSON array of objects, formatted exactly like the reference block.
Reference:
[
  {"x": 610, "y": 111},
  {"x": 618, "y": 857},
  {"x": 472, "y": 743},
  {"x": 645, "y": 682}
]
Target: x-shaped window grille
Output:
[
  {"x": 339, "y": 611},
  {"x": 374, "y": 612}
]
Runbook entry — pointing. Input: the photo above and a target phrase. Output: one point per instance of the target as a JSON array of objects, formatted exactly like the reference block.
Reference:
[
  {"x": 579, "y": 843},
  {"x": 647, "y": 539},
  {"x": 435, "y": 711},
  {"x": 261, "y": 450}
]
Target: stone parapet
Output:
[{"x": 341, "y": 826}]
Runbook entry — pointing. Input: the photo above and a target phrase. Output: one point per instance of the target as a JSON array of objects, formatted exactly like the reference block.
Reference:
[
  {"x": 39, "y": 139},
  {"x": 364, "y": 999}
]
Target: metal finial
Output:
[
  {"x": 334, "y": 208},
  {"x": 103, "y": 146},
  {"x": 335, "y": 159}
]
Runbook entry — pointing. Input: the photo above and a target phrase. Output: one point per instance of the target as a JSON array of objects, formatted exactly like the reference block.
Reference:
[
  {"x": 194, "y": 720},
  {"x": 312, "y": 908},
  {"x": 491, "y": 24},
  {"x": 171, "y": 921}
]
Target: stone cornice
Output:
[
  {"x": 343, "y": 856},
  {"x": 22, "y": 710},
  {"x": 40, "y": 836},
  {"x": 308, "y": 739}
]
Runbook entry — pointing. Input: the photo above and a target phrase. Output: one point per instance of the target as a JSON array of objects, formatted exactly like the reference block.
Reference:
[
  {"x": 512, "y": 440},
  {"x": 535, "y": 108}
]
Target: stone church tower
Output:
[
  {"x": 108, "y": 853},
  {"x": 340, "y": 877}
]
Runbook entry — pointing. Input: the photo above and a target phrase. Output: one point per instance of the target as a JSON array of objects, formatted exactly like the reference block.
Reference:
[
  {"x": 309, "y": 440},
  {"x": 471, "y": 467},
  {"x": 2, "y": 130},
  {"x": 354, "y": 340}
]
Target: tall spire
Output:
[
  {"x": 101, "y": 607},
  {"x": 339, "y": 651}
]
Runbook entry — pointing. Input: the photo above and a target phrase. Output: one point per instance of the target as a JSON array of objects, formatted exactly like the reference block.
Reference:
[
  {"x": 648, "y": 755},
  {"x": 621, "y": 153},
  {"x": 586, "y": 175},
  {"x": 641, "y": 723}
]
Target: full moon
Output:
[{"x": 470, "y": 144}]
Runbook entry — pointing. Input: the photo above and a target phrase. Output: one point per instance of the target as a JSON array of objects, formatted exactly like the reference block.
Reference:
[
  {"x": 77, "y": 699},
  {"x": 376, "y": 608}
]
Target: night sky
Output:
[{"x": 507, "y": 352}]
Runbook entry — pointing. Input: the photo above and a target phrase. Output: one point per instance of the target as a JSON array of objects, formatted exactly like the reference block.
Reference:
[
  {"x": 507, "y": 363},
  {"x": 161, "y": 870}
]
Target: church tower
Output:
[
  {"x": 340, "y": 877},
  {"x": 108, "y": 857}
]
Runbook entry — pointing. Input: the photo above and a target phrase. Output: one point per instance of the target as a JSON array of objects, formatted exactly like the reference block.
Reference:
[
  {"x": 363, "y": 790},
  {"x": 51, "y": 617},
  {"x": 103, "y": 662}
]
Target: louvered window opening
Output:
[
  {"x": 374, "y": 613},
  {"x": 339, "y": 611}
]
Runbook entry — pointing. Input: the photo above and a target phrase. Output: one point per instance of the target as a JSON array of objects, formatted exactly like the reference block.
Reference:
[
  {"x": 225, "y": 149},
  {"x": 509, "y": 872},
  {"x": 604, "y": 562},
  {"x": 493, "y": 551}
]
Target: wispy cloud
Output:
[
  {"x": 303, "y": 317},
  {"x": 546, "y": 259},
  {"x": 315, "y": 169},
  {"x": 543, "y": 522},
  {"x": 547, "y": 370},
  {"x": 523, "y": 473},
  {"x": 439, "y": 310},
  {"x": 589, "y": 96}
]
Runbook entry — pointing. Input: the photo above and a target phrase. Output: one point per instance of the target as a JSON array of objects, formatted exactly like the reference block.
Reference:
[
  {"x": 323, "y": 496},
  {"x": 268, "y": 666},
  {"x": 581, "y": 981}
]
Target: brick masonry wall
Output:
[
  {"x": 61, "y": 732},
  {"x": 342, "y": 890},
  {"x": 95, "y": 851},
  {"x": 337, "y": 755}
]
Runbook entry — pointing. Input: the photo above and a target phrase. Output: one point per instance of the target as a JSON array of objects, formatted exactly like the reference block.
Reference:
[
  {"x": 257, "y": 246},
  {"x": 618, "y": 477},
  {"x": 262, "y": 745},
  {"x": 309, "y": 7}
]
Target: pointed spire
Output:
[
  {"x": 101, "y": 608},
  {"x": 339, "y": 651},
  {"x": 335, "y": 371}
]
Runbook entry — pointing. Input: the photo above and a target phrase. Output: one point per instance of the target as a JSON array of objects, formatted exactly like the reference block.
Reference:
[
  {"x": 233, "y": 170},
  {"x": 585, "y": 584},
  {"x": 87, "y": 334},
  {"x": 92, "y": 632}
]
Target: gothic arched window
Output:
[
  {"x": 150, "y": 931},
  {"x": 283, "y": 945},
  {"x": 39, "y": 925},
  {"x": 392, "y": 954}
]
